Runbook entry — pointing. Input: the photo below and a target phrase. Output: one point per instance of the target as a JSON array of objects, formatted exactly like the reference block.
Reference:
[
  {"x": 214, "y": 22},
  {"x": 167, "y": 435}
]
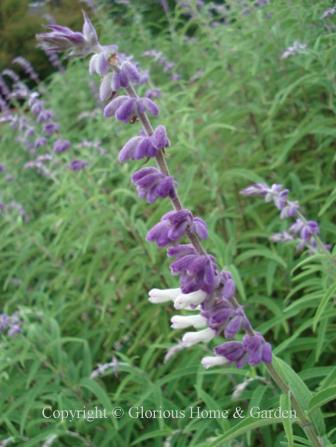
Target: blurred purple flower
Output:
[{"x": 77, "y": 165}]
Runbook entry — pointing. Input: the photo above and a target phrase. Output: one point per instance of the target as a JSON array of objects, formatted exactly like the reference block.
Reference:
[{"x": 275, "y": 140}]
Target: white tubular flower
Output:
[
  {"x": 185, "y": 300},
  {"x": 192, "y": 338},
  {"x": 216, "y": 360},
  {"x": 158, "y": 296},
  {"x": 183, "y": 321}
]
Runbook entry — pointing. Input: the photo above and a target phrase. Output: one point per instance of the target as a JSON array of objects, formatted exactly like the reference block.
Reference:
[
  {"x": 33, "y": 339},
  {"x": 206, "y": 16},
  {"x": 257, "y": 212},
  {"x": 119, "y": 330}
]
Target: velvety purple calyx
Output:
[
  {"x": 151, "y": 184},
  {"x": 257, "y": 189},
  {"x": 99, "y": 64},
  {"x": 44, "y": 116},
  {"x": 237, "y": 321},
  {"x": 289, "y": 210},
  {"x": 258, "y": 350},
  {"x": 37, "y": 107},
  {"x": 196, "y": 271},
  {"x": 309, "y": 230},
  {"x": 77, "y": 165},
  {"x": 234, "y": 352},
  {"x": 61, "y": 145},
  {"x": 50, "y": 128},
  {"x": 228, "y": 289},
  {"x": 223, "y": 316},
  {"x": 39, "y": 142},
  {"x": 252, "y": 350},
  {"x": 174, "y": 225},
  {"x": 62, "y": 38},
  {"x": 275, "y": 193},
  {"x": 217, "y": 311},
  {"x": 145, "y": 146},
  {"x": 126, "y": 108},
  {"x": 153, "y": 93},
  {"x": 127, "y": 73},
  {"x": 305, "y": 229}
]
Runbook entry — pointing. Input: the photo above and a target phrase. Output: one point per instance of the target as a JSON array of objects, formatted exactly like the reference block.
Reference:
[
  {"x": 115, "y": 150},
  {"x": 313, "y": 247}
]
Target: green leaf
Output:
[
  {"x": 322, "y": 397},
  {"x": 299, "y": 390},
  {"x": 243, "y": 427},
  {"x": 323, "y": 304},
  {"x": 285, "y": 404},
  {"x": 98, "y": 391}
]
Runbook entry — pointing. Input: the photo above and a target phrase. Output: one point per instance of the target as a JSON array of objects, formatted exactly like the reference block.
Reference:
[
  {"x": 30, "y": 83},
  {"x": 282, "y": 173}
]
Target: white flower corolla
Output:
[
  {"x": 185, "y": 300},
  {"x": 183, "y": 321},
  {"x": 158, "y": 296},
  {"x": 213, "y": 360},
  {"x": 192, "y": 338}
]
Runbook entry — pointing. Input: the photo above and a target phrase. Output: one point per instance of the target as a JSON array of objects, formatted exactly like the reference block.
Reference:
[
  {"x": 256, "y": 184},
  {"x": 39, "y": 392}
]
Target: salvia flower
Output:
[
  {"x": 174, "y": 225},
  {"x": 10, "y": 324},
  {"x": 39, "y": 142},
  {"x": 50, "y": 128},
  {"x": 296, "y": 48},
  {"x": 127, "y": 73},
  {"x": 153, "y": 93},
  {"x": 252, "y": 350},
  {"x": 151, "y": 184},
  {"x": 112, "y": 366},
  {"x": 126, "y": 108},
  {"x": 145, "y": 146},
  {"x": 77, "y": 165},
  {"x": 61, "y": 145},
  {"x": 203, "y": 289},
  {"x": 329, "y": 12},
  {"x": 11, "y": 74},
  {"x": 27, "y": 68},
  {"x": 196, "y": 271},
  {"x": 302, "y": 231},
  {"x": 62, "y": 38}
]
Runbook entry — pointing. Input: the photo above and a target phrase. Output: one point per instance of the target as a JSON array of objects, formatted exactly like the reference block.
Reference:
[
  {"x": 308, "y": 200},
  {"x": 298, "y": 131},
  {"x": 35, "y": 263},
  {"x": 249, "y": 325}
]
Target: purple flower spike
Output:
[
  {"x": 61, "y": 145},
  {"x": 77, "y": 165},
  {"x": 143, "y": 146},
  {"x": 152, "y": 184}
]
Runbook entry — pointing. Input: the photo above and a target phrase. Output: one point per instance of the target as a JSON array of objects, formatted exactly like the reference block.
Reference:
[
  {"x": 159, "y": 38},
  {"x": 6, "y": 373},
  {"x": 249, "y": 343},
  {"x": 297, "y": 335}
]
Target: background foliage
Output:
[{"x": 78, "y": 270}]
